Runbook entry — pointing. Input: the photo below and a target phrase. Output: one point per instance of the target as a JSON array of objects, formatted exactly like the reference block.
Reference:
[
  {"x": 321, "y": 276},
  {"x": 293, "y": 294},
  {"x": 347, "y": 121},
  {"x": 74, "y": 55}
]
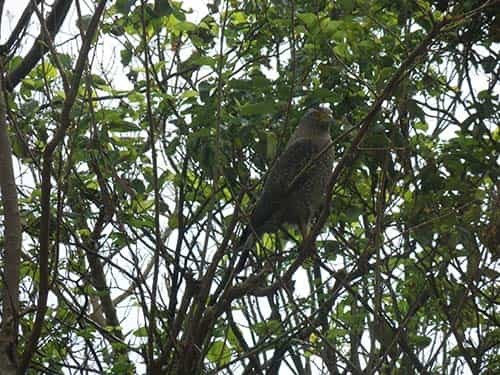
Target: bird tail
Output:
[{"x": 245, "y": 244}]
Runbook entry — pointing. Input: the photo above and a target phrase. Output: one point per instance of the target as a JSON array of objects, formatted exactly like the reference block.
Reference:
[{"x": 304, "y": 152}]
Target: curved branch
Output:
[{"x": 39, "y": 47}]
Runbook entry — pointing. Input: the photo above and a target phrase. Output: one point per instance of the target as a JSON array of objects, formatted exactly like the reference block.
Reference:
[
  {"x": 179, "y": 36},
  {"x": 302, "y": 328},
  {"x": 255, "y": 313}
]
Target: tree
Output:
[{"x": 134, "y": 142}]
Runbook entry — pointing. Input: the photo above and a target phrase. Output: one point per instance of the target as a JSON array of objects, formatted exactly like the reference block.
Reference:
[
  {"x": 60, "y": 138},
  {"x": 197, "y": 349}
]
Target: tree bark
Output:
[{"x": 12, "y": 246}]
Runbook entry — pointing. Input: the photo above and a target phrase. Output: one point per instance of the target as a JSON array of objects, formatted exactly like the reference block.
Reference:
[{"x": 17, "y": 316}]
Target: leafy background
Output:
[{"x": 160, "y": 141}]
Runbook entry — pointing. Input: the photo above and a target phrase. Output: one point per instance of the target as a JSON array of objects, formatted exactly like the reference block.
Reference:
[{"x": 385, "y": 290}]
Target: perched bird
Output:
[{"x": 295, "y": 186}]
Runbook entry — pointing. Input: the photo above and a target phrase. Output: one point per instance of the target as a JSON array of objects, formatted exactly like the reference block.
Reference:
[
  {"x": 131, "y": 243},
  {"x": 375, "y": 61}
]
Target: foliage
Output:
[{"x": 175, "y": 121}]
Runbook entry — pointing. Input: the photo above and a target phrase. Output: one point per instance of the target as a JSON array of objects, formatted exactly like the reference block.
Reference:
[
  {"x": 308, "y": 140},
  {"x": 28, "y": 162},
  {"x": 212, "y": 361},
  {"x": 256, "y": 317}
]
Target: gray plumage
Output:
[{"x": 292, "y": 193}]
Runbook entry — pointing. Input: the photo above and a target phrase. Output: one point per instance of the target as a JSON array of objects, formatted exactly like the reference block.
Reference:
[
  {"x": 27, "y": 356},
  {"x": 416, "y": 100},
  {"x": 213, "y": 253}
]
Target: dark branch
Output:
[{"x": 39, "y": 47}]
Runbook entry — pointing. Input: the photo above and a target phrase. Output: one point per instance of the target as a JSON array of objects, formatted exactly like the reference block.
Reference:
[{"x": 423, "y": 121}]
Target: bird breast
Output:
[{"x": 306, "y": 198}]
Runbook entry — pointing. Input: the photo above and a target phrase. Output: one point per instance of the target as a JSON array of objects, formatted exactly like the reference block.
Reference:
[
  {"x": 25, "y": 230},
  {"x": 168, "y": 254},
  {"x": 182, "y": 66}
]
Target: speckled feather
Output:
[{"x": 281, "y": 203}]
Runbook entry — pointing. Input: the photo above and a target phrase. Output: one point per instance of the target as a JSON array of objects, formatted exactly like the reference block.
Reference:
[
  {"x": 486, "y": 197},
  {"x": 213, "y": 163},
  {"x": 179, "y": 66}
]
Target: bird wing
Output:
[{"x": 277, "y": 186}]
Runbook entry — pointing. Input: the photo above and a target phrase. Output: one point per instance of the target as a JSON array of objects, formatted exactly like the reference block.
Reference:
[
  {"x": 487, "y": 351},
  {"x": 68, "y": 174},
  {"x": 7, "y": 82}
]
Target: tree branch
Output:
[
  {"x": 12, "y": 245},
  {"x": 44, "y": 237},
  {"x": 39, "y": 47}
]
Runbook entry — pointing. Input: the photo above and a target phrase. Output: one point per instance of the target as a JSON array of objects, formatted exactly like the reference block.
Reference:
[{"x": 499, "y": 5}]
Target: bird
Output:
[{"x": 296, "y": 183}]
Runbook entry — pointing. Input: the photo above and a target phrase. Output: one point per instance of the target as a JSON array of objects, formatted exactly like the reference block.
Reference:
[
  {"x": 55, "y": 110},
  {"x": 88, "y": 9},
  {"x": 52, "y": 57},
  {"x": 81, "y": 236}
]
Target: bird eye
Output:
[{"x": 323, "y": 115}]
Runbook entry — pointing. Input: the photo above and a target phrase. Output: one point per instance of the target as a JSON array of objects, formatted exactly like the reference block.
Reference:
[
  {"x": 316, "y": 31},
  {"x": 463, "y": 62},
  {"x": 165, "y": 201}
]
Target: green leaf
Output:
[
  {"x": 189, "y": 94},
  {"x": 138, "y": 186},
  {"x": 420, "y": 341},
  {"x": 341, "y": 50},
  {"x": 136, "y": 97},
  {"x": 141, "y": 332},
  {"x": 238, "y": 18},
  {"x": 98, "y": 80},
  {"x": 233, "y": 340},
  {"x": 185, "y": 26},
  {"x": 204, "y": 90},
  {"x": 261, "y": 108},
  {"x": 163, "y": 8},
  {"x": 65, "y": 60},
  {"x": 347, "y": 5},
  {"x": 126, "y": 56},
  {"x": 267, "y": 328},
  {"x": 178, "y": 25},
  {"x": 143, "y": 206},
  {"x": 309, "y": 19},
  {"x": 201, "y": 60},
  {"x": 489, "y": 64},
  {"x": 421, "y": 126},
  {"x": 333, "y": 26},
  {"x": 123, "y": 6},
  {"x": 219, "y": 353},
  {"x": 86, "y": 333},
  {"x": 122, "y": 126}
]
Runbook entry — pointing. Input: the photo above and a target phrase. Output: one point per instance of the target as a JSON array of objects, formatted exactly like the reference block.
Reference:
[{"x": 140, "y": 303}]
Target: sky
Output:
[{"x": 14, "y": 8}]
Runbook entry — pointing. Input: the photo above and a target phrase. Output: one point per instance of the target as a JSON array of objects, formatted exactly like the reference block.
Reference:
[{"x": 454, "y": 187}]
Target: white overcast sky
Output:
[
  {"x": 14, "y": 8},
  {"x": 109, "y": 56}
]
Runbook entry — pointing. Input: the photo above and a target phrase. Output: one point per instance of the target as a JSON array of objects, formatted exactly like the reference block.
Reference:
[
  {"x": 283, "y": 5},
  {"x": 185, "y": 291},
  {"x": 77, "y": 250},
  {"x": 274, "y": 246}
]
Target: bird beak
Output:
[{"x": 324, "y": 116}]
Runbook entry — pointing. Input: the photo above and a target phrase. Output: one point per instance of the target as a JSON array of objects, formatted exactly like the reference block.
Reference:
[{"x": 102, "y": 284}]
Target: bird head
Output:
[
  {"x": 317, "y": 119},
  {"x": 314, "y": 124}
]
